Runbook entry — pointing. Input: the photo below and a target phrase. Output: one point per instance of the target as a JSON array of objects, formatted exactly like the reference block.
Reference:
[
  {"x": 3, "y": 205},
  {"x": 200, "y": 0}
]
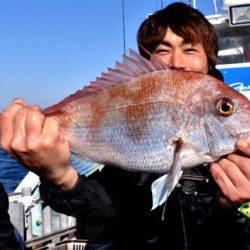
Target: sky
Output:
[{"x": 51, "y": 48}]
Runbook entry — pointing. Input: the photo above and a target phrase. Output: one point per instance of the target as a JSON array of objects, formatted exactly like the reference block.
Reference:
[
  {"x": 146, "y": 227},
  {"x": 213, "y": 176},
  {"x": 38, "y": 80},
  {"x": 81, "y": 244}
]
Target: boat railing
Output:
[{"x": 35, "y": 223}]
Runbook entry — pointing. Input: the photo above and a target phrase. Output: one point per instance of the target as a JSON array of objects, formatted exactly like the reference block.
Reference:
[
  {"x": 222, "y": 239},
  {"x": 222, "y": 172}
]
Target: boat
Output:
[
  {"x": 234, "y": 48},
  {"x": 39, "y": 227}
]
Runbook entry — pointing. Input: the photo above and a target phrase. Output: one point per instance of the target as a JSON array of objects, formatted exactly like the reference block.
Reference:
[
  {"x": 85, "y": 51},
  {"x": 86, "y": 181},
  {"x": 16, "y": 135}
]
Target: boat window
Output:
[{"x": 234, "y": 44}]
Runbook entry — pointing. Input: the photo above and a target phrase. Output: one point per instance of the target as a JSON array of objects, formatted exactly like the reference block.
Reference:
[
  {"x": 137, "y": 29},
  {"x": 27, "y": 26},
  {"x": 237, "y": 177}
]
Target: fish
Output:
[
  {"x": 245, "y": 210},
  {"x": 143, "y": 116}
]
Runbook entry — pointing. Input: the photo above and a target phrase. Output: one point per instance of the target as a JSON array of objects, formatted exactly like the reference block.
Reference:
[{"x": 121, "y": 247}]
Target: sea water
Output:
[{"x": 11, "y": 172}]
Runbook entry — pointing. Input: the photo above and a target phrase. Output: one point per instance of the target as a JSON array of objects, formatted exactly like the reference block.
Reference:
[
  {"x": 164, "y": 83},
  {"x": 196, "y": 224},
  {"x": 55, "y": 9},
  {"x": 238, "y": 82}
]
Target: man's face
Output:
[{"x": 180, "y": 55}]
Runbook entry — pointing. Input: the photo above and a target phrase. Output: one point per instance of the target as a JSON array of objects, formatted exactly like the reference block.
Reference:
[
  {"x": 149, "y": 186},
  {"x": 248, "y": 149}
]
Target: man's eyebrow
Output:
[{"x": 168, "y": 44}]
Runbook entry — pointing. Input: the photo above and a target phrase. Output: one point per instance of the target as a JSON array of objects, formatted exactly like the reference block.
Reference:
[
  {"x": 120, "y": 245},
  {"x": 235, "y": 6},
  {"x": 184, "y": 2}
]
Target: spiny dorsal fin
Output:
[
  {"x": 146, "y": 63},
  {"x": 133, "y": 66},
  {"x": 112, "y": 77},
  {"x": 129, "y": 69}
]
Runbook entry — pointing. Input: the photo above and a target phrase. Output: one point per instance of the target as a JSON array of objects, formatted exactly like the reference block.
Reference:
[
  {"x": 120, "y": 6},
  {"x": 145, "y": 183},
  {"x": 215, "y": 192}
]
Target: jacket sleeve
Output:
[
  {"x": 7, "y": 235},
  {"x": 88, "y": 199}
]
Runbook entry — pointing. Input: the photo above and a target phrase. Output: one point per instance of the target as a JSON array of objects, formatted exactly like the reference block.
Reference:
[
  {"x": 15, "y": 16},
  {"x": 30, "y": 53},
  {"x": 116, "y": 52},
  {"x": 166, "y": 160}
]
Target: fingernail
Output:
[{"x": 242, "y": 144}]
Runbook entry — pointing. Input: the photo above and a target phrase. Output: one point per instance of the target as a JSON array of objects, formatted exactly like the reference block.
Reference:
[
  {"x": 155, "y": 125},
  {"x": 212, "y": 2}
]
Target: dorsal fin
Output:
[
  {"x": 146, "y": 63},
  {"x": 105, "y": 82},
  {"x": 130, "y": 69},
  {"x": 111, "y": 77},
  {"x": 121, "y": 73},
  {"x": 133, "y": 66},
  {"x": 158, "y": 63}
]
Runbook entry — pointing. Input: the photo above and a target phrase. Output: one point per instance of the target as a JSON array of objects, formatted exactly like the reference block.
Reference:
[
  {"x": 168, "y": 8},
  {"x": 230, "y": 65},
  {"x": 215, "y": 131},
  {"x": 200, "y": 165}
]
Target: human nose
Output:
[{"x": 177, "y": 61}]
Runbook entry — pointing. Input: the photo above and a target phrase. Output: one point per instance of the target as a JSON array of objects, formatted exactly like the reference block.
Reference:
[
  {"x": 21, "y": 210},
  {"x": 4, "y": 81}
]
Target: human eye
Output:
[
  {"x": 162, "y": 51},
  {"x": 190, "y": 50}
]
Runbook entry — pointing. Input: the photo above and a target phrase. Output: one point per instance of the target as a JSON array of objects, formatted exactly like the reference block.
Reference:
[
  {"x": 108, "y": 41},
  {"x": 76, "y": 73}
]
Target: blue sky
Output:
[{"x": 51, "y": 48}]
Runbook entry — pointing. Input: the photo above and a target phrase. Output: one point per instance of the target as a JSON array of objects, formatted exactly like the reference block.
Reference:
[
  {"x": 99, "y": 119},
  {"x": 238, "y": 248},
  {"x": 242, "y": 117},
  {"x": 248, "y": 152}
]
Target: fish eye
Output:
[{"x": 225, "y": 107}]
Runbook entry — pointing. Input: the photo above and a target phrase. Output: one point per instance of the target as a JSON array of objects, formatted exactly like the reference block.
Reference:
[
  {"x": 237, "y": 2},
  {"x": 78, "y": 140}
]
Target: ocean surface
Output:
[{"x": 11, "y": 172}]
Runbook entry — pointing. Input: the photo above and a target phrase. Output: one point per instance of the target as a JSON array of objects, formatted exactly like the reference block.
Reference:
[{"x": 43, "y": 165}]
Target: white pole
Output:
[{"x": 194, "y": 4}]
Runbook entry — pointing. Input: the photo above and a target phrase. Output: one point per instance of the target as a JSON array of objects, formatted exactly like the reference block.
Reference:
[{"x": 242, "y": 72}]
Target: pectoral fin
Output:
[{"x": 163, "y": 186}]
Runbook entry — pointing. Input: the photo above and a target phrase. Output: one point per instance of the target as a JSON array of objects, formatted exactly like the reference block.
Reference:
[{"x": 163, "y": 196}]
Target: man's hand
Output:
[
  {"x": 232, "y": 174},
  {"x": 36, "y": 142}
]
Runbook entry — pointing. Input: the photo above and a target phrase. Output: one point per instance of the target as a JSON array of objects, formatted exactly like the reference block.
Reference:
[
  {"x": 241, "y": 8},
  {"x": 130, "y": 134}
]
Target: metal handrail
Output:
[{"x": 50, "y": 237}]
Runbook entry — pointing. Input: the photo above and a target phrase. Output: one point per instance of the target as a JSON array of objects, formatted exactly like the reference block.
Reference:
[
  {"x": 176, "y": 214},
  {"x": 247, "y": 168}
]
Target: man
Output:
[{"x": 113, "y": 206}]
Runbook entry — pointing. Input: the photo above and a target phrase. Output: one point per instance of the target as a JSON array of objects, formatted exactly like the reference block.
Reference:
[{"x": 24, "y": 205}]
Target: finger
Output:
[
  {"x": 7, "y": 125},
  {"x": 223, "y": 200},
  {"x": 50, "y": 127},
  {"x": 62, "y": 137},
  {"x": 35, "y": 108},
  {"x": 234, "y": 173},
  {"x": 19, "y": 101},
  {"x": 18, "y": 143},
  {"x": 225, "y": 184},
  {"x": 50, "y": 133},
  {"x": 34, "y": 124},
  {"x": 242, "y": 162},
  {"x": 244, "y": 145}
]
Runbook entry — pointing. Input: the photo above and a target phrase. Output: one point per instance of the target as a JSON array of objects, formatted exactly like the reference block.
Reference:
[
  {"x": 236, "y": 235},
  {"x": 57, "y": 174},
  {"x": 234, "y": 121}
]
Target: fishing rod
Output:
[{"x": 123, "y": 27}]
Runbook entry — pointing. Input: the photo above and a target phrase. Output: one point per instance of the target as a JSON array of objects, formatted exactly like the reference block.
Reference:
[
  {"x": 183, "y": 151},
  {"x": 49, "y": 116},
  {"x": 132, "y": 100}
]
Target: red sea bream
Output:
[{"x": 143, "y": 116}]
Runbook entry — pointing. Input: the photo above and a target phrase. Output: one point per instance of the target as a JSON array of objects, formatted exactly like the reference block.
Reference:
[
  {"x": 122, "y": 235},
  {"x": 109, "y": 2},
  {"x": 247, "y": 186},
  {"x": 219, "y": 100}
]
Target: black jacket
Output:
[
  {"x": 114, "y": 205},
  {"x": 7, "y": 236}
]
